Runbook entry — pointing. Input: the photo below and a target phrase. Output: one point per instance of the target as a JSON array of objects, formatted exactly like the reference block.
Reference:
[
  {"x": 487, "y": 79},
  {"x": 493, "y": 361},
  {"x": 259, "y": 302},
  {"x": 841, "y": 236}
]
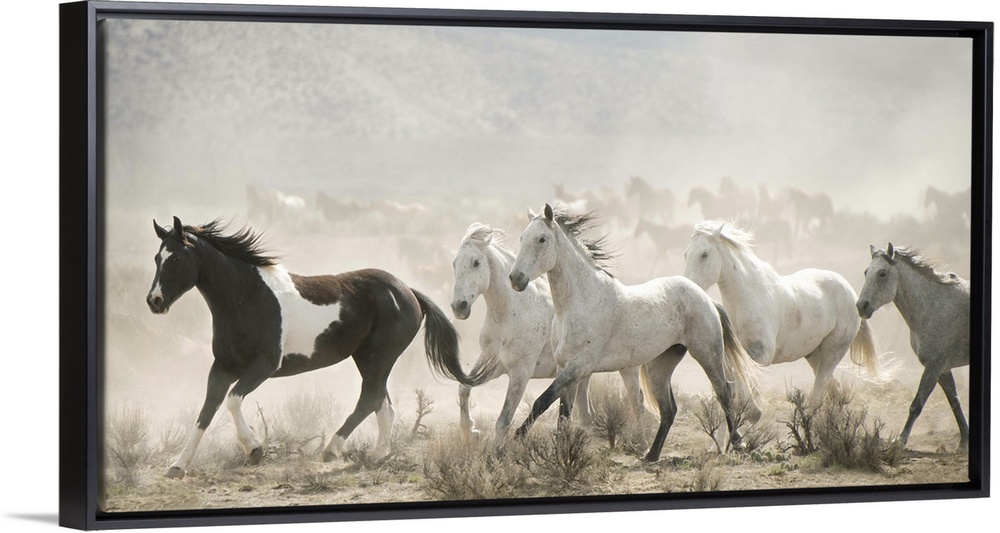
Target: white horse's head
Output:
[
  {"x": 703, "y": 257},
  {"x": 538, "y": 252},
  {"x": 881, "y": 281},
  {"x": 472, "y": 269}
]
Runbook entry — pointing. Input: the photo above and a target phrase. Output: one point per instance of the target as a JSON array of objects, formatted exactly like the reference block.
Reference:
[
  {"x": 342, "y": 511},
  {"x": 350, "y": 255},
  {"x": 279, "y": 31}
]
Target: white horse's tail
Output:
[
  {"x": 745, "y": 369},
  {"x": 865, "y": 353}
]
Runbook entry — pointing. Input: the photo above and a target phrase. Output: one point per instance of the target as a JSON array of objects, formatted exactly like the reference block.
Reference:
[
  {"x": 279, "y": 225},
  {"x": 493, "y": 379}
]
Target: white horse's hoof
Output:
[{"x": 175, "y": 472}]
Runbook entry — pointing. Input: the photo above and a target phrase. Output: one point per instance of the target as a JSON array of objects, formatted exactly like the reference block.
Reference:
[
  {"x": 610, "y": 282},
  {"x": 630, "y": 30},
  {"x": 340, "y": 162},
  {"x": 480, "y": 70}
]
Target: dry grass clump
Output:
[
  {"x": 127, "y": 444},
  {"x": 457, "y": 467},
  {"x": 614, "y": 418},
  {"x": 562, "y": 457},
  {"x": 840, "y": 433}
]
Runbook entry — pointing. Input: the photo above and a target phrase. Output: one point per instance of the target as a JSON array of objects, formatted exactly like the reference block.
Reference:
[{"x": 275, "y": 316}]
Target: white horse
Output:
[
  {"x": 603, "y": 325},
  {"x": 935, "y": 306},
  {"x": 779, "y": 319},
  {"x": 516, "y": 331}
]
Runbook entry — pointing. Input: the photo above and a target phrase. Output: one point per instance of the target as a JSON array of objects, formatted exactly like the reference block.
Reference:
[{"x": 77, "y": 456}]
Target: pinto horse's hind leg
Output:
[
  {"x": 373, "y": 393},
  {"x": 660, "y": 371},
  {"x": 218, "y": 383},
  {"x": 947, "y": 383},
  {"x": 385, "y": 415}
]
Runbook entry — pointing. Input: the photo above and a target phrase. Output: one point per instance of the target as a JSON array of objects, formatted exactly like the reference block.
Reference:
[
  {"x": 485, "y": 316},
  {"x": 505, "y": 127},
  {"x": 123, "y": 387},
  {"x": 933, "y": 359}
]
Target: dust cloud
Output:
[{"x": 353, "y": 146}]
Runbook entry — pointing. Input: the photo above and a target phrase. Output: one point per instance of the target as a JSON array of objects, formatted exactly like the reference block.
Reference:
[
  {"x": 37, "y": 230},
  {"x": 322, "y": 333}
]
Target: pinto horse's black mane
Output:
[{"x": 244, "y": 245}]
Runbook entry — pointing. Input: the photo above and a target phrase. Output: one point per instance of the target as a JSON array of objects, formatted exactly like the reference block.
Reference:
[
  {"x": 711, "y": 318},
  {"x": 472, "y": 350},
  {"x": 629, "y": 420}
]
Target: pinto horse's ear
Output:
[
  {"x": 179, "y": 231},
  {"x": 548, "y": 213},
  {"x": 161, "y": 232},
  {"x": 890, "y": 252},
  {"x": 873, "y": 250}
]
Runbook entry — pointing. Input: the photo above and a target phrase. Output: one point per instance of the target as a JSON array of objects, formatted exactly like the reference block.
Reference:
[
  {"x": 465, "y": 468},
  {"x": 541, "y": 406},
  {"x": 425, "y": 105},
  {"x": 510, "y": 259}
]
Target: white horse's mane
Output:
[
  {"x": 483, "y": 235},
  {"x": 733, "y": 234}
]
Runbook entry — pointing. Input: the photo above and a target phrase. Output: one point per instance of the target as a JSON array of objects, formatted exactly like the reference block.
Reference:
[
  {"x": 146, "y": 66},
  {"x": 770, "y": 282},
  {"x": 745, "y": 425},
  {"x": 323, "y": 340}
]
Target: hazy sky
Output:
[{"x": 371, "y": 109}]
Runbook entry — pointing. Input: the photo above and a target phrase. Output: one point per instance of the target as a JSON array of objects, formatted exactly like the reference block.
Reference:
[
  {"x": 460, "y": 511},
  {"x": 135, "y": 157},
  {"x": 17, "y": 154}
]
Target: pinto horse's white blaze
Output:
[
  {"x": 161, "y": 259},
  {"x": 301, "y": 320}
]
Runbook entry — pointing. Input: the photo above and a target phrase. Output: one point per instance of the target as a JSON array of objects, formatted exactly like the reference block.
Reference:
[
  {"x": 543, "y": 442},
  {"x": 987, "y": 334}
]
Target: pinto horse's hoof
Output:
[
  {"x": 329, "y": 457},
  {"x": 255, "y": 456},
  {"x": 175, "y": 472}
]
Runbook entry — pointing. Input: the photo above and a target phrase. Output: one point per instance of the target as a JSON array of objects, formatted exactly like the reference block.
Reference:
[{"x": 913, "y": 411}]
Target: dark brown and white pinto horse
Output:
[{"x": 268, "y": 322}]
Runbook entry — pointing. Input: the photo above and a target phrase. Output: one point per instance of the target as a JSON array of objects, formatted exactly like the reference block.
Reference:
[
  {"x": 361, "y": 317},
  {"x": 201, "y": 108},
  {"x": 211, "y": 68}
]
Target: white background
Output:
[{"x": 29, "y": 296}]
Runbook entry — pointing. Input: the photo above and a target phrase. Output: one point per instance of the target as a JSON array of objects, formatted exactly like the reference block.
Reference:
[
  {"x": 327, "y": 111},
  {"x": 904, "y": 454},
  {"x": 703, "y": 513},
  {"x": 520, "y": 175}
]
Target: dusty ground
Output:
[{"x": 220, "y": 479}]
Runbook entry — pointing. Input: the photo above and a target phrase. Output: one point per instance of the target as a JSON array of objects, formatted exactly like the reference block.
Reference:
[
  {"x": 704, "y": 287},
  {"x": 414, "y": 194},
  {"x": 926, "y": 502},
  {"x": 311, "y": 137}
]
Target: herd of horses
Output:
[{"x": 554, "y": 311}]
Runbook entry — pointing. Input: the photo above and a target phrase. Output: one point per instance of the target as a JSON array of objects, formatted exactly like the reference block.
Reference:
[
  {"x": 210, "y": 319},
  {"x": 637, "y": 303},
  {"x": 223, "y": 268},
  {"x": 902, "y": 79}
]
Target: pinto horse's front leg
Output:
[{"x": 218, "y": 383}]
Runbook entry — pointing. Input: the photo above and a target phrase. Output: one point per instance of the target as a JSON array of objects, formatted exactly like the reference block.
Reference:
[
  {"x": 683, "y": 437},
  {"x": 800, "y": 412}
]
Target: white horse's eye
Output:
[
  {"x": 541, "y": 240},
  {"x": 475, "y": 263},
  {"x": 704, "y": 255},
  {"x": 882, "y": 273}
]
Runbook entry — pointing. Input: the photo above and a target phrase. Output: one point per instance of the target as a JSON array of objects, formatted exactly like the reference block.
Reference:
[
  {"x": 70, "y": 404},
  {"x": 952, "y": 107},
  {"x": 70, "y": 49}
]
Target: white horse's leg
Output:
[
  {"x": 711, "y": 357},
  {"x": 633, "y": 388},
  {"x": 582, "y": 402},
  {"x": 927, "y": 380},
  {"x": 465, "y": 421},
  {"x": 660, "y": 370},
  {"x": 385, "y": 416},
  {"x": 517, "y": 382},
  {"x": 947, "y": 383},
  {"x": 567, "y": 377},
  {"x": 824, "y": 360}
]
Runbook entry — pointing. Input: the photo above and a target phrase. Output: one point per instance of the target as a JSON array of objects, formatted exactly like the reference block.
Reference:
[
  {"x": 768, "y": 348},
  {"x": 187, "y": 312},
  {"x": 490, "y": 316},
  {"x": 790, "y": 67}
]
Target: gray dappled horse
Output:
[{"x": 935, "y": 307}]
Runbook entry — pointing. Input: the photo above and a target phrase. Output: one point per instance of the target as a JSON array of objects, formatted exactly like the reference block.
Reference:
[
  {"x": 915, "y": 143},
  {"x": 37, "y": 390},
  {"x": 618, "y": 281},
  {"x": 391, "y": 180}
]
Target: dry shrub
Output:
[
  {"x": 710, "y": 418},
  {"x": 840, "y": 433},
  {"x": 613, "y": 416},
  {"x": 460, "y": 468},
  {"x": 706, "y": 478},
  {"x": 800, "y": 426},
  {"x": 127, "y": 446},
  {"x": 847, "y": 440},
  {"x": 561, "y": 457}
]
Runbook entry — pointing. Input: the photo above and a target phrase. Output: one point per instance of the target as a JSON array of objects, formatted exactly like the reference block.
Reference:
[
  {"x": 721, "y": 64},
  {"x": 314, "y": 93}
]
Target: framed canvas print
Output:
[{"x": 329, "y": 263}]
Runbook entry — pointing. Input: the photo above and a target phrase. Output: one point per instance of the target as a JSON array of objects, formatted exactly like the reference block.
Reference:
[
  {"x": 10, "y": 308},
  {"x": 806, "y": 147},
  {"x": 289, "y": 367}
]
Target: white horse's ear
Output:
[
  {"x": 890, "y": 251},
  {"x": 531, "y": 214},
  {"x": 548, "y": 212},
  {"x": 161, "y": 232},
  {"x": 718, "y": 230},
  {"x": 873, "y": 250}
]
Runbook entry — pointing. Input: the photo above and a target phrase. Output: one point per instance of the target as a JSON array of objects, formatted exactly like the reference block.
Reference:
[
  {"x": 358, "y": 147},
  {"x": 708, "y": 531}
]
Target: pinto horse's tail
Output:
[
  {"x": 864, "y": 352},
  {"x": 441, "y": 345}
]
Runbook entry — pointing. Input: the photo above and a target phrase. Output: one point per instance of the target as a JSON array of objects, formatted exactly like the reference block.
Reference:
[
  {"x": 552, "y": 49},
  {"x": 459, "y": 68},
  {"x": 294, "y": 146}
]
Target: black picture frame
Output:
[{"x": 81, "y": 230}]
